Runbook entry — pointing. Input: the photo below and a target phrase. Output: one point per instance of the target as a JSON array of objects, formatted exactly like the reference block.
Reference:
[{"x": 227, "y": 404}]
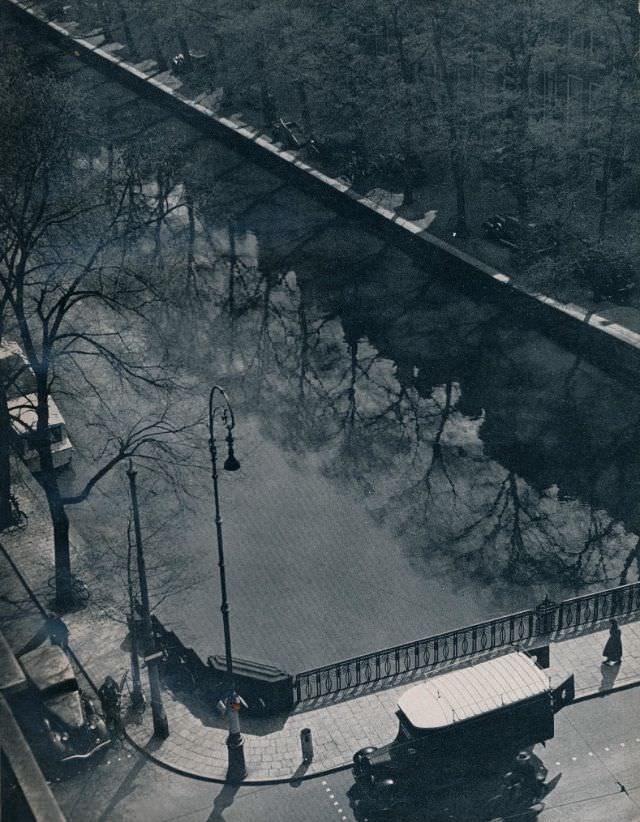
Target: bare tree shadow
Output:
[{"x": 128, "y": 785}]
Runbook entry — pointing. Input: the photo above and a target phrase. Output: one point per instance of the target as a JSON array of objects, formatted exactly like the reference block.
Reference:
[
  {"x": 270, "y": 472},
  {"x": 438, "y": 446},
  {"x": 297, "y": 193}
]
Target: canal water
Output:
[{"x": 412, "y": 459}]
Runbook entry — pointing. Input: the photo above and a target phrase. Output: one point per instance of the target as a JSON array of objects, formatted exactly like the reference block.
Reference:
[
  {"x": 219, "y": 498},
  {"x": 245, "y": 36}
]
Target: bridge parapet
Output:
[{"x": 549, "y": 621}]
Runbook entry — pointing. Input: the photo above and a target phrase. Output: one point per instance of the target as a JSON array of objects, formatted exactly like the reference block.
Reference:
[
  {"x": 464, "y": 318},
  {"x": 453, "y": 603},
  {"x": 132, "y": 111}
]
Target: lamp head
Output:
[{"x": 231, "y": 463}]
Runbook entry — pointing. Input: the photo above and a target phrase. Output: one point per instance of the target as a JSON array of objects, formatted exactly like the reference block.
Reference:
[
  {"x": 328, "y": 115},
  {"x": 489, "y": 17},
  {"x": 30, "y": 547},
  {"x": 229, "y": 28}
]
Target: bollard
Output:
[{"x": 306, "y": 743}]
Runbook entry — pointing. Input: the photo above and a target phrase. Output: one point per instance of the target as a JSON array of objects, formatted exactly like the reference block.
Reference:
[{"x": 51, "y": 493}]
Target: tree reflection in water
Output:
[
  {"x": 476, "y": 441},
  {"x": 483, "y": 445}
]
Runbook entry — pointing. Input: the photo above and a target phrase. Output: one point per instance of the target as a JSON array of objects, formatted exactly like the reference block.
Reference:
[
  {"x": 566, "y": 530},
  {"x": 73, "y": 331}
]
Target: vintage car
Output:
[
  {"x": 60, "y": 721},
  {"x": 517, "y": 235},
  {"x": 23, "y": 422},
  {"x": 473, "y": 720}
]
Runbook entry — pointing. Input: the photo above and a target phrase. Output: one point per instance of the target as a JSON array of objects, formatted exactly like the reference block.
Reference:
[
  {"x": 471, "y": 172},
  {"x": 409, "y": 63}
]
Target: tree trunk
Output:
[
  {"x": 267, "y": 100},
  {"x": 304, "y": 108},
  {"x": 160, "y": 59},
  {"x": 606, "y": 169},
  {"x": 106, "y": 21},
  {"x": 6, "y": 514},
  {"x": 458, "y": 168},
  {"x": 184, "y": 48},
  {"x": 269, "y": 113},
  {"x": 133, "y": 50},
  {"x": 59, "y": 518}
]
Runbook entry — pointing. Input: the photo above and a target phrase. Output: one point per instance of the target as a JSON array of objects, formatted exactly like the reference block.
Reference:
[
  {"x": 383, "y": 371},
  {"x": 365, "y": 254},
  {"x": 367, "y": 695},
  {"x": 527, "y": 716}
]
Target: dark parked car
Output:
[
  {"x": 61, "y": 722},
  {"x": 512, "y": 232},
  {"x": 289, "y": 134}
]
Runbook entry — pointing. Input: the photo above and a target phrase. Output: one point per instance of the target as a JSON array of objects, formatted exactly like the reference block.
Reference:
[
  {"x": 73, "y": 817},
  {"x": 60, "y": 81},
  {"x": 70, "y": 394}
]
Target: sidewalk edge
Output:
[{"x": 592, "y": 694}]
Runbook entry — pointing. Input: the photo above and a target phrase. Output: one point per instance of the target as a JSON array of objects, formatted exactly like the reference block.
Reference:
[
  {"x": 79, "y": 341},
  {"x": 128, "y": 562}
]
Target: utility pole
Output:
[
  {"x": 160, "y": 724},
  {"x": 137, "y": 696}
]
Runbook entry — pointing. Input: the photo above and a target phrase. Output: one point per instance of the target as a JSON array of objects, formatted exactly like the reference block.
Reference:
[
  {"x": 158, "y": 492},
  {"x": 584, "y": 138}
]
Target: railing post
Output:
[
  {"x": 474, "y": 639},
  {"x": 560, "y": 616},
  {"x": 298, "y": 697},
  {"x": 545, "y": 613}
]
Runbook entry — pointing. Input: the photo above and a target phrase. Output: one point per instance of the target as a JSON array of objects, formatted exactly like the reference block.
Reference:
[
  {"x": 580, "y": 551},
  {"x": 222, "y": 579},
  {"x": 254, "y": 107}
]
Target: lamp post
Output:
[
  {"x": 237, "y": 768},
  {"x": 160, "y": 723}
]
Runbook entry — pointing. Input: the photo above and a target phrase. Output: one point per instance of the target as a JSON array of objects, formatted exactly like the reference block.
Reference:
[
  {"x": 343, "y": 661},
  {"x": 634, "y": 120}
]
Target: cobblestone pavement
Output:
[{"x": 196, "y": 744}]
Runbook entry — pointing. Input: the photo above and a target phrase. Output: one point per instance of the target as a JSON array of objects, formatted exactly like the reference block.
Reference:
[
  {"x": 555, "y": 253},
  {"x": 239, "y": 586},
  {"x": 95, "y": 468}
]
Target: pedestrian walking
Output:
[{"x": 612, "y": 652}]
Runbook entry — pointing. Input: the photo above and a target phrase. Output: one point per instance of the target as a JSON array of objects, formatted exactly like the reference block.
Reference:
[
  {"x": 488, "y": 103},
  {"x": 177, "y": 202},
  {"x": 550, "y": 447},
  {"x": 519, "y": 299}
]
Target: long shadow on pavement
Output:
[
  {"x": 223, "y": 801},
  {"x": 128, "y": 783}
]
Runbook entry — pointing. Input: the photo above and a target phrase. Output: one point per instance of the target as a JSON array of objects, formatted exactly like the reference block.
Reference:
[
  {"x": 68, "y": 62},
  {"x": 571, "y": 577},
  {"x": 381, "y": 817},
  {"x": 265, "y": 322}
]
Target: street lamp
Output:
[{"x": 237, "y": 768}]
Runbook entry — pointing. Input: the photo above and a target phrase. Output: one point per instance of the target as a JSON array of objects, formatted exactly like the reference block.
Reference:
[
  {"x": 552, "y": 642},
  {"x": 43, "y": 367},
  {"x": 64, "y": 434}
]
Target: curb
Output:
[
  {"x": 592, "y": 694},
  {"x": 220, "y": 781}
]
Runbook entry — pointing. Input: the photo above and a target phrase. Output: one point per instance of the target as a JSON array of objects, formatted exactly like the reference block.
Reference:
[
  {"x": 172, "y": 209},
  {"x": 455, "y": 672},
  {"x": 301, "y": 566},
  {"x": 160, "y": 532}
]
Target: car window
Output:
[
  {"x": 55, "y": 433},
  {"x": 66, "y": 686}
]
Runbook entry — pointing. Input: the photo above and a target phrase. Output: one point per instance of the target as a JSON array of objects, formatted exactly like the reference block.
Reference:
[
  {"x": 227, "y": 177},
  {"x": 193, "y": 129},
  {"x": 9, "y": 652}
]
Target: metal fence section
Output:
[
  {"x": 602, "y": 605},
  {"x": 513, "y": 629},
  {"x": 413, "y": 656}
]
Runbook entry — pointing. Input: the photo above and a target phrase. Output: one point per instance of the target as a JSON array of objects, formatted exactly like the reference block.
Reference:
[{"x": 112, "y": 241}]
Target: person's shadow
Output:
[{"x": 609, "y": 674}]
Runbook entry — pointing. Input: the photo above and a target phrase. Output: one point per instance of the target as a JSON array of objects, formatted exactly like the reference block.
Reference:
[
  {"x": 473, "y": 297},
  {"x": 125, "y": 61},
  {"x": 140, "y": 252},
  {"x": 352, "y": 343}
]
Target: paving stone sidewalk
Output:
[{"x": 196, "y": 744}]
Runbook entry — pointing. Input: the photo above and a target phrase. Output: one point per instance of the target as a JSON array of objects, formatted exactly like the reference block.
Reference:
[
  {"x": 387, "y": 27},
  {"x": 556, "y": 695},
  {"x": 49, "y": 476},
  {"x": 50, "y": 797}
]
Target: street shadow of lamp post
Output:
[
  {"x": 232, "y": 703},
  {"x": 152, "y": 657}
]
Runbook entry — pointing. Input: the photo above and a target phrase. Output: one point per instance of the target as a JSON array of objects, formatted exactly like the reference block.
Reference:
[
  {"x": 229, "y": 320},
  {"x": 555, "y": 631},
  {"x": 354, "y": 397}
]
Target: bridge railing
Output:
[
  {"x": 602, "y": 605},
  {"x": 413, "y": 656},
  {"x": 513, "y": 629}
]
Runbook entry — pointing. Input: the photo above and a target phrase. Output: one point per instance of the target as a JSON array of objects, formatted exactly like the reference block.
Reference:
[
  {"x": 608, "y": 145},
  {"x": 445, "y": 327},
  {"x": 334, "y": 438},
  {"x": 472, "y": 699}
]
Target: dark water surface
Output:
[{"x": 412, "y": 459}]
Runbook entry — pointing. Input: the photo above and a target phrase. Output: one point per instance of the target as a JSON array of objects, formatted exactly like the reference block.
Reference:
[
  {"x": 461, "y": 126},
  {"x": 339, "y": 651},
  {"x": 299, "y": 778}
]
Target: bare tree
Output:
[{"x": 69, "y": 289}]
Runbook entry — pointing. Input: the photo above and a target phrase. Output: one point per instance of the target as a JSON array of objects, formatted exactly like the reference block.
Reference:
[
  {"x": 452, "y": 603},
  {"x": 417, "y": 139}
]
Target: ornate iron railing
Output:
[
  {"x": 599, "y": 606},
  {"x": 513, "y": 629}
]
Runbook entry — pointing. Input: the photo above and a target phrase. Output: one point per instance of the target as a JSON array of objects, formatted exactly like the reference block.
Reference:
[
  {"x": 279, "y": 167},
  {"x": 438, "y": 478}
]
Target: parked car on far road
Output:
[{"x": 512, "y": 232}]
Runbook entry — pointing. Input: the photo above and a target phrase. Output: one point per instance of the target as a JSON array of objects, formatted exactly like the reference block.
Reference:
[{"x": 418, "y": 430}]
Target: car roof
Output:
[
  {"x": 9, "y": 348},
  {"x": 467, "y": 692},
  {"x": 24, "y": 415},
  {"x": 47, "y": 666}
]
